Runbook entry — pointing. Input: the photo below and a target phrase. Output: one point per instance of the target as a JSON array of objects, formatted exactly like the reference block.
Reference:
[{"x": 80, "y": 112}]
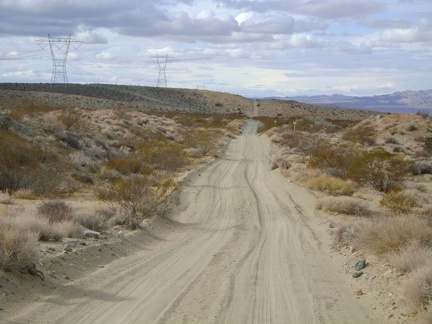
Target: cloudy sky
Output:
[{"x": 248, "y": 47}]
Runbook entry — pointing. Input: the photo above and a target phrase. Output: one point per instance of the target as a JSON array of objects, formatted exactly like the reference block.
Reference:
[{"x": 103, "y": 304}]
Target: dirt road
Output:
[{"x": 245, "y": 247}]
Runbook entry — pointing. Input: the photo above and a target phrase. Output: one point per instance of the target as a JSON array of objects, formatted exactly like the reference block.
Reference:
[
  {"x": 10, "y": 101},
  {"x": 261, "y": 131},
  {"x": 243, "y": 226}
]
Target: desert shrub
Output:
[
  {"x": 40, "y": 225},
  {"x": 96, "y": 222},
  {"x": 428, "y": 145},
  {"x": 301, "y": 140},
  {"x": 335, "y": 160},
  {"x": 138, "y": 195},
  {"x": 55, "y": 211},
  {"x": 69, "y": 118},
  {"x": 425, "y": 113},
  {"x": 5, "y": 197},
  {"x": 17, "y": 245},
  {"x": 387, "y": 234},
  {"x": 129, "y": 165},
  {"x": 23, "y": 165},
  {"x": 344, "y": 232},
  {"x": 24, "y": 194},
  {"x": 417, "y": 289},
  {"x": 380, "y": 169},
  {"x": 422, "y": 168},
  {"x": 71, "y": 139},
  {"x": 267, "y": 123},
  {"x": 68, "y": 228},
  {"x": 333, "y": 186},
  {"x": 345, "y": 205},
  {"x": 162, "y": 156},
  {"x": 83, "y": 178},
  {"x": 282, "y": 163},
  {"x": 31, "y": 108},
  {"x": 50, "y": 124},
  {"x": 411, "y": 128},
  {"x": 5, "y": 121},
  {"x": 411, "y": 257},
  {"x": 376, "y": 167},
  {"x": 362, "y": 133},
  {"x": 399, "y": 202},
  {"x": 391, "y": 140}
]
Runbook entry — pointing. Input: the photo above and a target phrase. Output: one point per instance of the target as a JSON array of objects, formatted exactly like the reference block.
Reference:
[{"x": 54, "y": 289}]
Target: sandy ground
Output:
[{"x": 245, "y": 246}]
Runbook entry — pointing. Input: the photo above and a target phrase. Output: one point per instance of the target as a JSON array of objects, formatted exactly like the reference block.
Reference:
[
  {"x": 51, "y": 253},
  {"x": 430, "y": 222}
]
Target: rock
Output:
[
  {"x": 357, "y": 274},
  {"x": 31, "y": 268},
  {"x": 358, "y": 292},
  {"x": 360, "y": 265},
  {"x": 274, "y": 166},
  {"x": 388, "y": 273},
  {"x": 67, "y": 248},
  {"x": 67, "y": 277},
  {"x": 389, "y": 316},
  {"x": 89, "y": 233}
]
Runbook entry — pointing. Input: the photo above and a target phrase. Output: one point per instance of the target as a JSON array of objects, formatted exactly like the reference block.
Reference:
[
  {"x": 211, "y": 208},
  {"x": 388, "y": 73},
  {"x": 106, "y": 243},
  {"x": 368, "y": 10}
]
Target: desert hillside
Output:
[{"x": 152, "y": 99}]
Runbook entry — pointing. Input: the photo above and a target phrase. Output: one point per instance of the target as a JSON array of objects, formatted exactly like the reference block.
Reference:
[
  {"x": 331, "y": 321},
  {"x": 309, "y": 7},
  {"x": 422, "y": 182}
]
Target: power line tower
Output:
[
  {"x": 59, "y": 49},
  {"x": 162, "y": 62}
]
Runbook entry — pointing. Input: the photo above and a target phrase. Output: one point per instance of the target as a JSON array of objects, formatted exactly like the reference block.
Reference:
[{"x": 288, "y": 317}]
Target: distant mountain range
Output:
[{"x": 397, "y": 102}]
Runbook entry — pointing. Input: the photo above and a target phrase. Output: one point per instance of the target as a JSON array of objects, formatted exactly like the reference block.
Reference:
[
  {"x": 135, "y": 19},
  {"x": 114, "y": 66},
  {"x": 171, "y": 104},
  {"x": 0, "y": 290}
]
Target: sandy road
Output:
[{"x": 244, "y": 248}]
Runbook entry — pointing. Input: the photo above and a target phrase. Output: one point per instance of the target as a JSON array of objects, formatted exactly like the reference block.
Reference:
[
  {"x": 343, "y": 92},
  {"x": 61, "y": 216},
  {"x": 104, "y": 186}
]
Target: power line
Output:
[
  {"x": 162, "y": 64},
  {"x": 59, "y": 48}
]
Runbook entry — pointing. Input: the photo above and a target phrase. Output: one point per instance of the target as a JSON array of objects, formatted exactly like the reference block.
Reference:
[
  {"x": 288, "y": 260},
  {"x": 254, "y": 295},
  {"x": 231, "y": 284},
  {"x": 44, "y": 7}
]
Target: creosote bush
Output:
[
  {"x": 378, "y": 168},
  {"x": 399, "y": 202},
  {"x": 362, "y": 133},
  {"x": 139, "y": 196},
  {"x": 23, "y": 165}
]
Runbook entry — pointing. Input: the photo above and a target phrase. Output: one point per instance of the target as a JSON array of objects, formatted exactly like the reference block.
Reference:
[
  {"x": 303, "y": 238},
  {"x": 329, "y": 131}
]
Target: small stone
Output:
[
  {"x": 360, "y": 265},
  {"x": 357, "y": 274},
  {"x": 66, "y": 277},
  {"x": 358, "y": 292},
  {"x": 89, "y": 233},
  {"x": 67, "y": 248},
  {"x": 388, "y": 273},
  {"x": 389, "y": 316}
]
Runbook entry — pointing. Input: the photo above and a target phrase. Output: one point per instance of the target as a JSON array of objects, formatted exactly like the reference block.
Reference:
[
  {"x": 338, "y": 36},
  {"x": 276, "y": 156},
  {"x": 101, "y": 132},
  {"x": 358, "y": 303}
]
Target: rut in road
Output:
[{"x": 243, "y": 249}]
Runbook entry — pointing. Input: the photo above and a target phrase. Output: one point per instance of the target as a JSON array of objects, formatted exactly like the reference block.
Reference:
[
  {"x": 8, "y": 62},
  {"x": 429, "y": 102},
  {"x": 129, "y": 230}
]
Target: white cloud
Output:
[
  {"x": 89, "y": 37},
  {"x": 339, "y": 8},
  {"x": 422, "y": 33},
  {"x": 105, "y": 56},
  {"x": 268, "y": 24}
]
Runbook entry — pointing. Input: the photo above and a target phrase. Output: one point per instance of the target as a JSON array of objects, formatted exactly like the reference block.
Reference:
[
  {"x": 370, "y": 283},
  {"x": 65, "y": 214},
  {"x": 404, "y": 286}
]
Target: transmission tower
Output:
[
  {"x": 162, "y": 62},
  {"x": 59, "y": 49}
]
